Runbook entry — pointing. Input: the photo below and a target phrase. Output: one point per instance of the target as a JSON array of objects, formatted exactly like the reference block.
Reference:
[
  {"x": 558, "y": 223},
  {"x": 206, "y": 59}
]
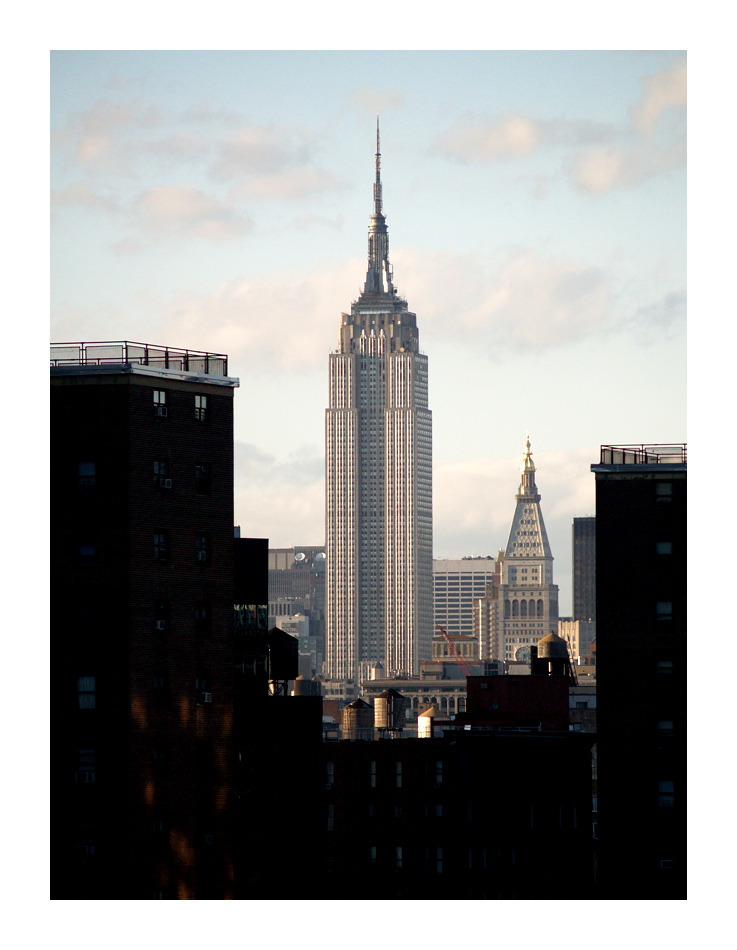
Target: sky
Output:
[{"x": 536, "y": 206}]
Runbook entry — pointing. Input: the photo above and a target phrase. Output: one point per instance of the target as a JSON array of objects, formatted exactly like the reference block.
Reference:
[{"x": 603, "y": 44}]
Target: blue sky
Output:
[{"x": 536, "y": 204}]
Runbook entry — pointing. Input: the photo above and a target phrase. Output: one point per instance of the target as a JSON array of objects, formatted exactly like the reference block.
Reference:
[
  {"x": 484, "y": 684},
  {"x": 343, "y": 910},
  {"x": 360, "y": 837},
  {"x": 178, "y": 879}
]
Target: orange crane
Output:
[{"x": 461, "y": 662}]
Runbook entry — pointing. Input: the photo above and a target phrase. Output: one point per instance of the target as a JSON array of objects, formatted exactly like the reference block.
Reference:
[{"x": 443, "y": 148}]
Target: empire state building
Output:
[{"x": 378, "y": 439}]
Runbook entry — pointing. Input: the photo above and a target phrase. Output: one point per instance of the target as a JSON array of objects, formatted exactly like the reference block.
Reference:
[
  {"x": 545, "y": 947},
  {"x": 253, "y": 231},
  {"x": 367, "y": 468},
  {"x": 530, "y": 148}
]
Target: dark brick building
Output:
[
  {"x": 142, "y": 650},
  {"x": 641, "y": 671}
]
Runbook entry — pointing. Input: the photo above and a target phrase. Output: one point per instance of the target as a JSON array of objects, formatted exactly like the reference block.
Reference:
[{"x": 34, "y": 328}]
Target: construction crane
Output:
[{"x": 454, "y": 651}]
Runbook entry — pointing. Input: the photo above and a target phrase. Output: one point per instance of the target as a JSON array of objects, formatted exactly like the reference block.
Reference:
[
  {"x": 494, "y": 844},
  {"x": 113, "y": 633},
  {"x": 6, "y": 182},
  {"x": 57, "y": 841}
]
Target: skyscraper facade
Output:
[
  {"x": 378, "y": 434},
  {"x": 522, "y": 606},
  {"x": 584, "y": 568}
]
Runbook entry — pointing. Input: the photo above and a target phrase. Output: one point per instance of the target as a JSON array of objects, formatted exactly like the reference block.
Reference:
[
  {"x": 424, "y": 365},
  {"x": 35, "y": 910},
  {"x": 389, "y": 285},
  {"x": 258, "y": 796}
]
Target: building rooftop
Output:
[
  {"x": 104, "y": 356},
  {"x": 643, "y": 454}
]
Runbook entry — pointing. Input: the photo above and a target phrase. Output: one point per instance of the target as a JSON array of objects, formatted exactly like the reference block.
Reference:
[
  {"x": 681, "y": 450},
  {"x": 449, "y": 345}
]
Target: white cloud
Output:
[
  {"x": 525, "y": 302},
  {"x": 80, "y": 194},
  {"x": 661, "y": 91},
  {"x": 260, "y": 150},
  {"x": 288, "y": 320},
  {"x": 188, "y": 212},
  {"x": 480, "y": 140},
  {"x": 293, "y": 183}
]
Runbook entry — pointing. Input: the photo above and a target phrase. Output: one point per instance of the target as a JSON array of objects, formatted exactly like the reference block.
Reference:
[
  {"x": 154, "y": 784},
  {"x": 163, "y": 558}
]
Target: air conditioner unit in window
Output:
[
  {"x": 165, "y": 482},
  {"x": 161, "y": 624},
  {"x": 207, "y": 697},
  {"x": 161, "y": 411},
  {"x": 202, "y": 555}
]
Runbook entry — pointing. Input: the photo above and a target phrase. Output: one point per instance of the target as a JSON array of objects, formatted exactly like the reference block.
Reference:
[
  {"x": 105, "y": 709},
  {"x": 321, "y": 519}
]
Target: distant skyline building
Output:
[
  {"x": 584, "y": 568},
  {"x": 378, "y": 435},
  {"x": 456, "y": 584},
  {"x": 521, "y": 606}
]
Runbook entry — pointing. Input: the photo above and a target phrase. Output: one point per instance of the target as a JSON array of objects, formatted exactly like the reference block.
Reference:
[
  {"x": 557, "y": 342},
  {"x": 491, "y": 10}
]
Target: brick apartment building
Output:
[{"x": 142, "y": 651}]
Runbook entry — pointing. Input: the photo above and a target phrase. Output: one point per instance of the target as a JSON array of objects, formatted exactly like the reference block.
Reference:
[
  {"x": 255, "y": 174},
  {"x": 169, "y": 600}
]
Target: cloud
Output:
[
  {"x": 601, "y": 170},
  {"x": 373, "y": 99},
  {"x": 188, "y": 212},
  {"x": 480, "y": 141},
  {"x": 287, "y": 320},
  {"x": 292, "y": 184},
  {"x": 661, "y": 91},
  {"x": 81, "y": 195},
  {"x": 526, "y": 301},
  {"x": 260, "y": 150}
]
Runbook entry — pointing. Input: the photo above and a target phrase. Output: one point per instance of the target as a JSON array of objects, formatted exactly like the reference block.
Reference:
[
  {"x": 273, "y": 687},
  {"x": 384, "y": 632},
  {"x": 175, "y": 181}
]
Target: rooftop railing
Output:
[
  {"x": 643, "y": 454},
  {"x": 144, "y": 354}
]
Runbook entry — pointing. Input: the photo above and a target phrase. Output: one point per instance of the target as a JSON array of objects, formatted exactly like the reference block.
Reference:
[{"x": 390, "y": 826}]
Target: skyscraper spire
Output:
[
  {"x": 379, "y": 272},
  {"x": 377, "y": 184}
]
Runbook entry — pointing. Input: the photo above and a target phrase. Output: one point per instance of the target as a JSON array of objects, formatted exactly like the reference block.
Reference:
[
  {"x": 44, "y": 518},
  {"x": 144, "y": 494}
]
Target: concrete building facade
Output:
[
  {"x": 456, "y": 584},
  {"x": 378, "y": 480}
]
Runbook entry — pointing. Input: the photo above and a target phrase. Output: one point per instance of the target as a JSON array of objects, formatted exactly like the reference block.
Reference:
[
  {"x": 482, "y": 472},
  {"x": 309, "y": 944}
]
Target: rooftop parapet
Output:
[
  {"x": 126, "y": 353},
  {"x": 643, "y": 454}
]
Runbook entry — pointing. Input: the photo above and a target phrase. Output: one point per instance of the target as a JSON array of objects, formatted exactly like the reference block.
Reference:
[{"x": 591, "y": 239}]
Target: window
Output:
[
  {"x": 665, "y": 727},
  {"x": 438, "y": 772},
  {"x": 372, "y": 775},
  {"x": 87, "y": 554},
  {"x": 202, "y": 479},
  {"x": 398, "y": 774},
  {"x": 86, "y": 692},
  {"x": 202, "y": 548},
  {"x": 665, "y": 669},
  {"x": 203, "y": 620},
  {"x": 162, "y": 474},
  {"x": 663, "y": 547},
  {"x": 330, "y": 772},
  {"x": 372, "y": 854},
  {"x": 161, "y": 546},
  {"x": 664, "y": 610},
  {"x": 200, "y": 408},
  {"x": 86, "y": 475},
  {"x": 582, "y": 704},
  {"x": 203, "y": 690},
  {"x": 665, "y": 792},
  {"x": 160, "y": 404},
  {"x": 398, "y": 858},
  {"x": 161, "y": 616},
  {"x": 85, "y": 766}
]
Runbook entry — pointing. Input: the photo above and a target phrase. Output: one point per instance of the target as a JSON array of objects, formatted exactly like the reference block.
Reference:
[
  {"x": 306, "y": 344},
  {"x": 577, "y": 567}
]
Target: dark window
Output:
[
  {"x": 86, "y": 692},
  {"x": 161, "y": 546},
  {"x": 161, "y": 616},
  {"x": 86, "y": 475},
  {"x": 202, "y": 479},
  {"x": 161, "y": 409},
  {"x": 203, "y": 690},
  {"x": 203, "y": 620},
  {"x": 200, "y": 408},
  {"x": 664, "y": 610},
  {"x": 202, "y": 548},
  {"x": 86, "y": 772},
  {"x": 162, "y": 474},
  {"x": 87, "y": 554}
]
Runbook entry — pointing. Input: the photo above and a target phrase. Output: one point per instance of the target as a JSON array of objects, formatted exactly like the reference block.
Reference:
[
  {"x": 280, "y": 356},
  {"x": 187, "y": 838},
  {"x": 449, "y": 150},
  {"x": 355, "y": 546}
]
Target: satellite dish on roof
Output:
[{"x": 299, "y": 557}]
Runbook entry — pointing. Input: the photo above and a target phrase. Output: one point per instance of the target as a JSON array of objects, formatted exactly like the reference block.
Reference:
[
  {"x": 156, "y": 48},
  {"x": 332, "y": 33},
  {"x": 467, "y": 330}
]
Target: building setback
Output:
[
  {"x": 379, "y": 598},
  {"x": 142, "y": 763},
  {"x": 641, "y": 671}
]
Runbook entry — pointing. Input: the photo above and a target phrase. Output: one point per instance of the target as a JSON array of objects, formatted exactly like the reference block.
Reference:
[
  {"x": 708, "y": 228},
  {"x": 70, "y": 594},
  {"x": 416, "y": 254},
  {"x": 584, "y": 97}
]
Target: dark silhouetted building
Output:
[
  {"x": 142, "y": 650},
  {"x": 584, "y": 568},
  {"x": 641, "y": 671}
]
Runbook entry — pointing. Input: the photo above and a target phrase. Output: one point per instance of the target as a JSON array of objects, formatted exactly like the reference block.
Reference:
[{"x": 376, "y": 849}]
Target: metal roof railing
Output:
[
  {"x": 124, "y": 352},
  {"x": 643, "y": 454}
]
